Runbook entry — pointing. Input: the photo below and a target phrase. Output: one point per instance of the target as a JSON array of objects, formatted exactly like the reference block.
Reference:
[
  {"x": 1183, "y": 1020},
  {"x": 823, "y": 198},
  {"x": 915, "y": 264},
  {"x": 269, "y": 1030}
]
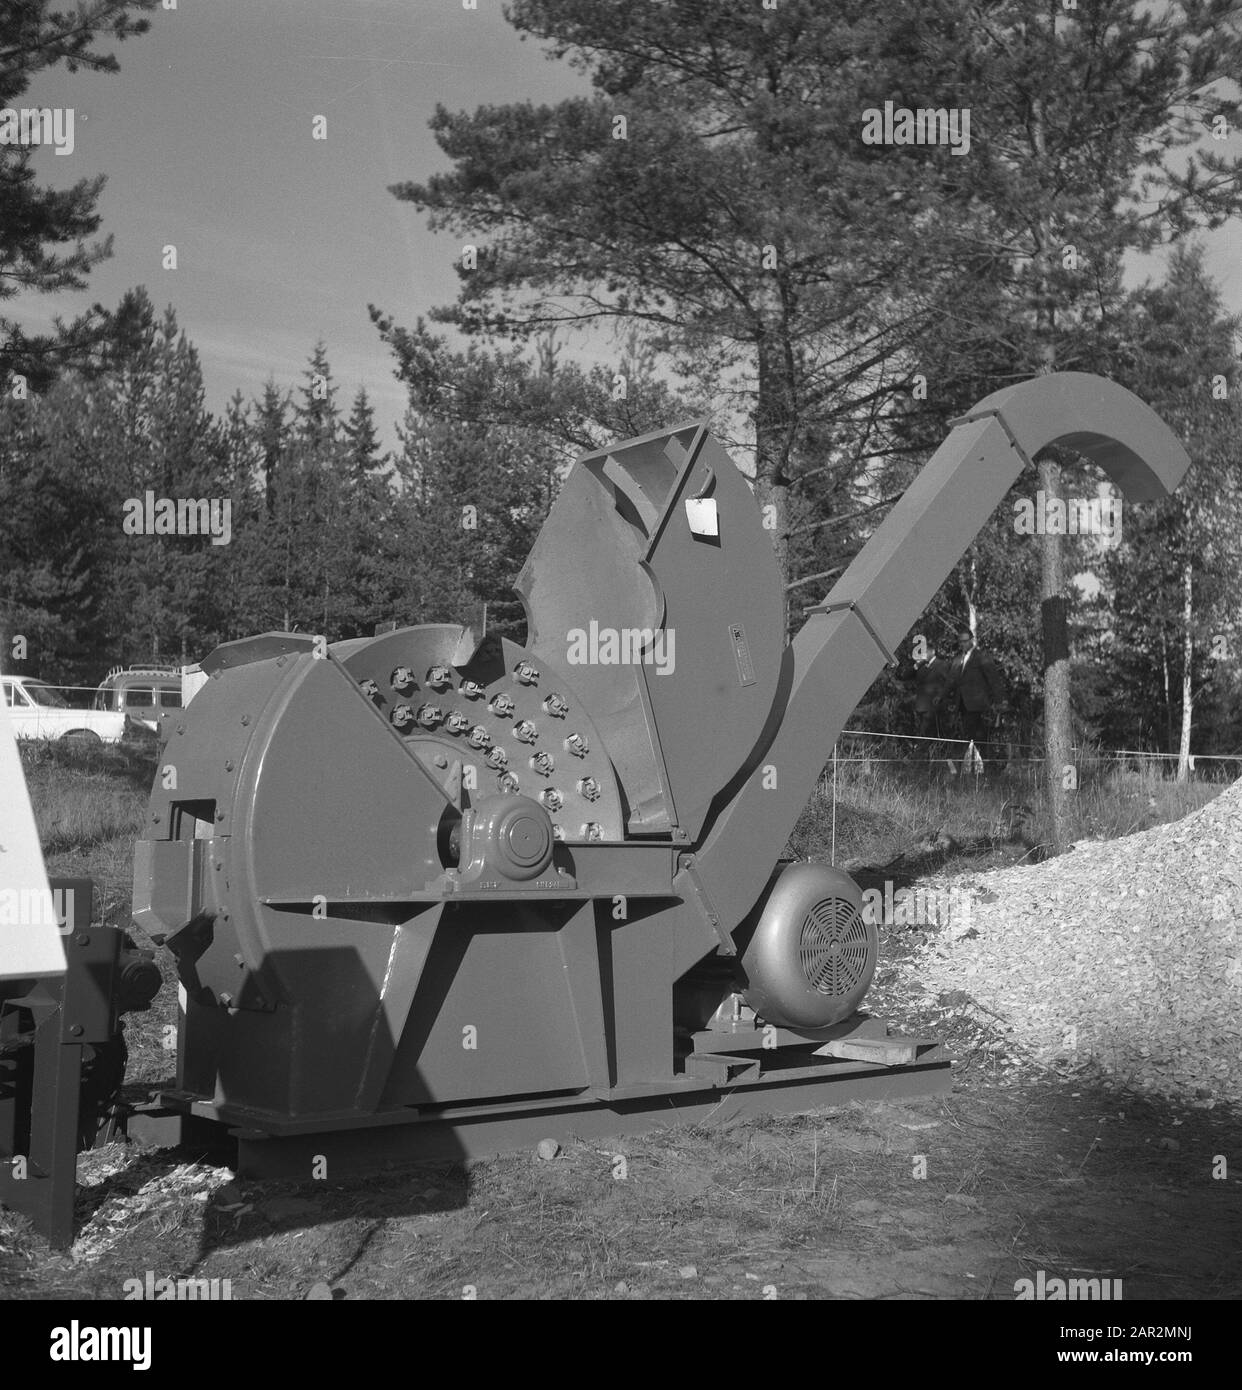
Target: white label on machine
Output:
[
  {"x": 30, "y": 941},
  {"x": 702, "y": 515}
]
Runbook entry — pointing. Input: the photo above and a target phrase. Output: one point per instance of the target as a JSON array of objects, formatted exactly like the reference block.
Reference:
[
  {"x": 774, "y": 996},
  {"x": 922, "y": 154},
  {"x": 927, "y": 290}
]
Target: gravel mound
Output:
[{"x": 1123, "y": 956}]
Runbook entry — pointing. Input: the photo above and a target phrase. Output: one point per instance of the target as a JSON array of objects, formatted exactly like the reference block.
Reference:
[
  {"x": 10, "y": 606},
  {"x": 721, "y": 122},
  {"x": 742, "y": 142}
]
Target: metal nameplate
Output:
[{"x": 741, "y": 650}]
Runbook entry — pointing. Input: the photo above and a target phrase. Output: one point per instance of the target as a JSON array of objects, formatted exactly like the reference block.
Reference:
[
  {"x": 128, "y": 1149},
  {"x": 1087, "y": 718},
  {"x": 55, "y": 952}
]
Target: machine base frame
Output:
[{"x": 289, "y": 1150}]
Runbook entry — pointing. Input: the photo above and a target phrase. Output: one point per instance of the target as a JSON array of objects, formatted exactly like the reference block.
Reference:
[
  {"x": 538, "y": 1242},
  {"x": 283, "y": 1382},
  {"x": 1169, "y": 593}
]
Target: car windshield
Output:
[{"x": 45, "y": 695}]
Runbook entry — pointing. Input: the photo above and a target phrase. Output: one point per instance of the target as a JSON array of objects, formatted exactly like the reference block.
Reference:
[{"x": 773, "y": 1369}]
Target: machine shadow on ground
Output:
[{"x": 1065, "y": 1177}]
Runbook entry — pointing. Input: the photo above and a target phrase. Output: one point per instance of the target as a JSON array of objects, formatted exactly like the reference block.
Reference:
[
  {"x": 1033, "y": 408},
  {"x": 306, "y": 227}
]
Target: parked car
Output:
[
  {"x": 39, "y": 710},
  {"x": 141, "y": 692}
]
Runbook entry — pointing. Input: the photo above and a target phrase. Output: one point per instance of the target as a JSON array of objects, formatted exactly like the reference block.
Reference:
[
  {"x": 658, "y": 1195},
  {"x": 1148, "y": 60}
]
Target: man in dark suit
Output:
[
  {"x": 931, "y": 677},
  {"x": 976, "y": 688}
]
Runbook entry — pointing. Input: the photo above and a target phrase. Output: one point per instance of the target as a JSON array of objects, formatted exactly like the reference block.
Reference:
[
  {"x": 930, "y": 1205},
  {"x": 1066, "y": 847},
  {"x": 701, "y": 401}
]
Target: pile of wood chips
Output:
[{"x": 1121, "y": 956}]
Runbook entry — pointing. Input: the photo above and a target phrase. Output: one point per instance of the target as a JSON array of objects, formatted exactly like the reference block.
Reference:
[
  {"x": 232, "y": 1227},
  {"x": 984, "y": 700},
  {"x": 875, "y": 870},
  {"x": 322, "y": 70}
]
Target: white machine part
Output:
[{"x": 30, "y": 941}]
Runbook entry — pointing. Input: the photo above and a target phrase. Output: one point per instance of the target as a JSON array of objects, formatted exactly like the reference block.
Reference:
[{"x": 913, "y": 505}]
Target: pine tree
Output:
[
  {"x": 36, "y": 222},
  {"x": 715, "y": 191},
  {"x": 362, "y": 439},
  {"x": 162, "y": 592},
  {"x": 53, "y": 525}
]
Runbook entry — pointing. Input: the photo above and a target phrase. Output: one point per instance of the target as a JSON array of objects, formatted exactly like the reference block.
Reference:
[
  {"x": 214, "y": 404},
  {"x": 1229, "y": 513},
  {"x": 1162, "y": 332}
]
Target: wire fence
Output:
[
  {"x": 944, "y": 749},
  {"x": 85, "y": 690}
]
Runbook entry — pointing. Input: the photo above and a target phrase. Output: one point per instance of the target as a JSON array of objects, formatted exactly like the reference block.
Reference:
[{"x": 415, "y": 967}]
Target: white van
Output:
[{"x": 141, "y": 692}]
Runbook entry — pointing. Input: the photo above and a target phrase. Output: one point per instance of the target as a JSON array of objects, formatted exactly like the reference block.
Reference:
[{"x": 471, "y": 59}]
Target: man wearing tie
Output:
[
  {"x": 931, "y": 681},
  {"x": 976, "y": 688}
]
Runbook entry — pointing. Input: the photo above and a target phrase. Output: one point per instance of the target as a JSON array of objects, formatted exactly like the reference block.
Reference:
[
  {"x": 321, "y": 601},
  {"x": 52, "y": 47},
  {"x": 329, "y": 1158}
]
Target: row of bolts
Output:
[{"x": 428, "y": 716}]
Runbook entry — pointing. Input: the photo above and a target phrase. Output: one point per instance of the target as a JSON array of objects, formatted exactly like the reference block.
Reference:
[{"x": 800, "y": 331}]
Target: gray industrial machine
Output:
[{"x": 435, "y": 896}]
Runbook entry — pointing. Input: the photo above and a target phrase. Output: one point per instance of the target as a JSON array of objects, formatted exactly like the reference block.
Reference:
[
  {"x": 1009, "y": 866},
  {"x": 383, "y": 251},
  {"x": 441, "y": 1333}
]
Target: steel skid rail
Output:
[{"x": 433, "y": 896}]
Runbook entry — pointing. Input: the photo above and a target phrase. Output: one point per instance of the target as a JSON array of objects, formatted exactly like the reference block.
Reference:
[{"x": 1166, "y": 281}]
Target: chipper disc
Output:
[{"x": 316, "y": 803}]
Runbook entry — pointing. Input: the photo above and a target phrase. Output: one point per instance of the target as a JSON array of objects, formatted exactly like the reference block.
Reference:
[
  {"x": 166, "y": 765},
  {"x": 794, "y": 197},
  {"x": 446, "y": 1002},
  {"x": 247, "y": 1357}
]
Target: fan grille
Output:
[{"x": 834, "y": 951}]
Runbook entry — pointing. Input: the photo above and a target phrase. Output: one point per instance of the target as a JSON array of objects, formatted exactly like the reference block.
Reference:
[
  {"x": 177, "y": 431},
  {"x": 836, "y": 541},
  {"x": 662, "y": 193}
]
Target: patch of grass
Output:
[
  {"x": 877, "y": 812},
  {"x": 85, "y": 798}
]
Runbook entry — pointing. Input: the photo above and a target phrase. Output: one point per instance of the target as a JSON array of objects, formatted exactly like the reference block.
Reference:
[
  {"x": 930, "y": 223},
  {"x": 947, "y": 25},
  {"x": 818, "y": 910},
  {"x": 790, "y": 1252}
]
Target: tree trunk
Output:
[
  {"x": 1054, "y": 603},
  {"x": 1183, "y": 751},
  {"x": 971, "y": 591},
  {"x": 1054, "y": 607},
  {"x": 771, "y": 445},
  {"x": 1168, "y": 693}
]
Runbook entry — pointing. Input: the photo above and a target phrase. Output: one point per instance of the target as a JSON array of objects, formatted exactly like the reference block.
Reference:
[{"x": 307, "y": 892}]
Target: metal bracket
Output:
[
  {"x": 996, "y": 415},
  {"x": 702, "y": 900},
  {"x": 851, "y": 605}
]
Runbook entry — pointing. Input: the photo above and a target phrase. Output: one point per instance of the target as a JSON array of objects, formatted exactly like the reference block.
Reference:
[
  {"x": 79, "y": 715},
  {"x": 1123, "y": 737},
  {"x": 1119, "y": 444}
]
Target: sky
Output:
[{"x": 206, "y": 138}]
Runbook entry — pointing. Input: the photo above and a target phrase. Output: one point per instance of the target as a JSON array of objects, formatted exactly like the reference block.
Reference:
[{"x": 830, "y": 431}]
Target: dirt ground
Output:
[{"x": 1018, "y": 1178}]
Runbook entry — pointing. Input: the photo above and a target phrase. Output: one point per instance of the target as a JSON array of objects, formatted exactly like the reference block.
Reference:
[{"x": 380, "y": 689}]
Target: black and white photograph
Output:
[{"x": 621, "y": 639}]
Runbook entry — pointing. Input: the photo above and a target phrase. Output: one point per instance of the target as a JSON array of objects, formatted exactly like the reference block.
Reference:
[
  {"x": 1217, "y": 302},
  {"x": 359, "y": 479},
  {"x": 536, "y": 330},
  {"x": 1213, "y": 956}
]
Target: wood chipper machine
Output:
[{"x": 433, "y": 896}]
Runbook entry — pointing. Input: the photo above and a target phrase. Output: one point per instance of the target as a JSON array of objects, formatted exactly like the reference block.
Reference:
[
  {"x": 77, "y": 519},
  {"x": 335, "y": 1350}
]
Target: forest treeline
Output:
[{"x": 709, "y": 221}]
